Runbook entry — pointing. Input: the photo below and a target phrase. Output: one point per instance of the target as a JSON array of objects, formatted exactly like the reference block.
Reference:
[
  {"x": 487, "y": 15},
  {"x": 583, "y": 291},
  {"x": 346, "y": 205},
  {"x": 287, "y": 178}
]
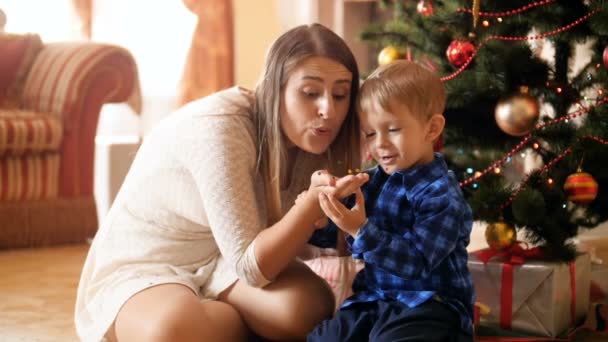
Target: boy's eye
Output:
[
  {"x": 370, "y": 134},
  {"x": 394, "y": 130}
]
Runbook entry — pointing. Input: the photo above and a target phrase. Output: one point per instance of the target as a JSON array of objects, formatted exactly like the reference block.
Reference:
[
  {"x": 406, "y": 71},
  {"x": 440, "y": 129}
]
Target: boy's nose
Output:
[{"x": 380, "y": 140}]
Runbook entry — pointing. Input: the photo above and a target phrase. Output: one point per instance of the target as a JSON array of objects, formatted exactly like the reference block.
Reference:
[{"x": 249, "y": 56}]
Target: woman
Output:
[{"x": 200, "y": 243}]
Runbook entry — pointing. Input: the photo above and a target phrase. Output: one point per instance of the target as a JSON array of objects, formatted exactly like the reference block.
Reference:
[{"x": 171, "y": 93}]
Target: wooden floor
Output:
[
  {"x": 38, "y": 287},
  {"x": 37, "y": 293}
]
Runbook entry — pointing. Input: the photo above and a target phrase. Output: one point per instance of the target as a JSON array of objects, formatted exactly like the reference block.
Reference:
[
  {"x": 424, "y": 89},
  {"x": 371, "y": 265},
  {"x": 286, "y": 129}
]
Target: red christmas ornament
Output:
[
  {"x": 459, "y": 51},
  {"x": 425, "y": 7},
  {"x": 581, "y": 188},
  {"x": 606, "y": 56}
]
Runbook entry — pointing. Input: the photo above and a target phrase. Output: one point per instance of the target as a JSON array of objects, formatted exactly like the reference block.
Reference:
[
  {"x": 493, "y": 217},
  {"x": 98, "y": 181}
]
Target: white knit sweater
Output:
[{"x": 188, "y": 211}]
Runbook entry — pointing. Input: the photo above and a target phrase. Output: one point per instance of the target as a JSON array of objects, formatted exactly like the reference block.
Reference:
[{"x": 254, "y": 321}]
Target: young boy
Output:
[{"x": 409, "y": 223}]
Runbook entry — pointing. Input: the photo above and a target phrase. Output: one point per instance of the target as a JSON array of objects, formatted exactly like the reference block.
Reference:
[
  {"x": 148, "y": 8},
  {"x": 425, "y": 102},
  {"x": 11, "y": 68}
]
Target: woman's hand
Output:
[
  {"x": 350, "y": 221},
  {"x": 323, "y": 181},
  {"x": 339, "y": 187},
  {"x": 320, "y": 223}
]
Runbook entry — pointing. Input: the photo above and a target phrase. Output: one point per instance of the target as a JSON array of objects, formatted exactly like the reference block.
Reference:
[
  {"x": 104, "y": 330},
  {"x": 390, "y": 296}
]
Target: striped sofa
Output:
[{"x": 47, "y": 137}]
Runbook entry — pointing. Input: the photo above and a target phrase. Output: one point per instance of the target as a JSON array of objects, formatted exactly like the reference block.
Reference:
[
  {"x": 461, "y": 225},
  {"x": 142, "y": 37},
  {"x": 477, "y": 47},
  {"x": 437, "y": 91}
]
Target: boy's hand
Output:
[{"x": 348, "y": 220}]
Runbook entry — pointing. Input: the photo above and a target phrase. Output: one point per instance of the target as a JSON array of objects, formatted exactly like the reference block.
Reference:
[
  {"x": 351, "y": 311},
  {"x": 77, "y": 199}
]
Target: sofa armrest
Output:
[{"x": 74, "y": 80}]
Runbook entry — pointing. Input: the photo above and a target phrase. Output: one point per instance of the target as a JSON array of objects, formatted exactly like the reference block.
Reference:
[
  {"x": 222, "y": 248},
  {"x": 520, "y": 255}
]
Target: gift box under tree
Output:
[
  {"x": 599, "y": 283},
  {"x": 527, "y": 296}
]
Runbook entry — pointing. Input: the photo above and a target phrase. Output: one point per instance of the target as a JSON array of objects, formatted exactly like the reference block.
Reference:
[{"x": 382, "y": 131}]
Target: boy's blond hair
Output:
[{"x": 408, "y": 83}]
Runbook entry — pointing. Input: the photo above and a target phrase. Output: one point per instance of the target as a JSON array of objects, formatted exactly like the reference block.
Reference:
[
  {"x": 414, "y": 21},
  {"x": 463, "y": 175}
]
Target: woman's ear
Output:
[{"x": 435, "y": 127}]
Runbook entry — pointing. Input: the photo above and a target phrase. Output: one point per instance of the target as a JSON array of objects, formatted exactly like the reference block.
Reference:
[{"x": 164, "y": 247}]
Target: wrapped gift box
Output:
[{"x": 540, "y": 295}]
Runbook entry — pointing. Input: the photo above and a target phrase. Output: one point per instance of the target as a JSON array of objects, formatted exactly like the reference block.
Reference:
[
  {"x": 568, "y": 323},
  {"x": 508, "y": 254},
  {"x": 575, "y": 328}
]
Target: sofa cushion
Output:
[
  {"x": 29, "y": 177},
  {"x": 18, "y": 52},
  {"x": 23, "y": 132}
]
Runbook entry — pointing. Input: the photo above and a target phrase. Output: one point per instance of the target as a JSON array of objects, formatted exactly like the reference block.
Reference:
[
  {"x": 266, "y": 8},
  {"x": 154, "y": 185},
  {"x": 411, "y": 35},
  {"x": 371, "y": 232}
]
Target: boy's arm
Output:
[{"x": 434, "y": 235}]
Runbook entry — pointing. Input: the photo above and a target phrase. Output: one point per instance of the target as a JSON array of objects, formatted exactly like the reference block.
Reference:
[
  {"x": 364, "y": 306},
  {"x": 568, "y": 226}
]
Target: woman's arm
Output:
[
  {"x": 280, "y": 243},
  {"x": 219, "y": 151}
]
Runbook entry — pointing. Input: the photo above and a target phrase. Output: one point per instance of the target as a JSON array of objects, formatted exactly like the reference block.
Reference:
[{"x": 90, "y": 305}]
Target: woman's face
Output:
[{"x": 314, "y": 103}]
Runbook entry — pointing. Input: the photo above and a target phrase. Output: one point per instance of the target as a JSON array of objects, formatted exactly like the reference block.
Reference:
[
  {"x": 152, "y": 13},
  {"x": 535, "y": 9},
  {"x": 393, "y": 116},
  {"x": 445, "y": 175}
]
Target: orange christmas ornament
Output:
[{"x": 581, "y": 187}]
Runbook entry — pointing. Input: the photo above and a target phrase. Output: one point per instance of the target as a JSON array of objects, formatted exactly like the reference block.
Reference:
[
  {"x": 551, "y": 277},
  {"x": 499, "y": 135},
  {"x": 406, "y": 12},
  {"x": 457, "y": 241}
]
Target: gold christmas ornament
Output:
[
  {"x": 388, "y": 54},
  {"x": 500, "y": 235},
  {"x": 517, "y": 115}
]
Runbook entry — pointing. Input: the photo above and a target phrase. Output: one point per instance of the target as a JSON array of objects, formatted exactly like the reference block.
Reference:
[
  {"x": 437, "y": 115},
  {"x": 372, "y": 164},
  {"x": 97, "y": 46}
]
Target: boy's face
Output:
[{"x": 396, "y": 138}]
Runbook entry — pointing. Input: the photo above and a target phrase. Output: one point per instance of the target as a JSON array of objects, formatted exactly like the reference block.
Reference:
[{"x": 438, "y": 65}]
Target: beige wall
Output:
[{"x": 256, "y": 26}]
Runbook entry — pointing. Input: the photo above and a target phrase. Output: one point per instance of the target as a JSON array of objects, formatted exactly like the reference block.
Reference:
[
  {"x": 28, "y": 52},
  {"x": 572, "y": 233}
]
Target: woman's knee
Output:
[
  {"x": 288, "y": 308},
  {"x": 209, "y": 321},
  {"x": 303, "y": 301},
  {"x": 170, "y": 313},
  {"x": 313, "y": 301}
]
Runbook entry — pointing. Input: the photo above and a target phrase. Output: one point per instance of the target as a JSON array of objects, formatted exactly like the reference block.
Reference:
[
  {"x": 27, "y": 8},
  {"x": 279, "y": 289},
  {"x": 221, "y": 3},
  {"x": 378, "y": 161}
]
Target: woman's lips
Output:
[{"x": 321, "y": 131}]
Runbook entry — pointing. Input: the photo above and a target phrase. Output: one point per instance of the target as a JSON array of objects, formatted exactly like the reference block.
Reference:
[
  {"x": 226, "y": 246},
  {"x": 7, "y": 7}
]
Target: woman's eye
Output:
[
  {"x": 392, "y": 130},
  {"x": 310, "y": 92},
  {"x": 370, "y": 134},
  {"x": 339, "y": 97}
]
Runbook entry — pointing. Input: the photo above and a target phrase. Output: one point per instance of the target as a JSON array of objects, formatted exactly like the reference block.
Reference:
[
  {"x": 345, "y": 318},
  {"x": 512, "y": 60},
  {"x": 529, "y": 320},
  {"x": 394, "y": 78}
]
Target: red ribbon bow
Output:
[{"x": 514, "y": 255}]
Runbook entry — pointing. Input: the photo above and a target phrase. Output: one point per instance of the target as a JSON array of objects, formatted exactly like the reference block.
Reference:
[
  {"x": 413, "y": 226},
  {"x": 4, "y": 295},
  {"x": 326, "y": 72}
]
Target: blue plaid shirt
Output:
[{"x": 414, "y": 241}]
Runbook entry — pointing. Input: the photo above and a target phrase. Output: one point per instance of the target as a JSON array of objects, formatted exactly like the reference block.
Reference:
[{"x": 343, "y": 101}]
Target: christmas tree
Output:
[{"x": 526, "y": 128}]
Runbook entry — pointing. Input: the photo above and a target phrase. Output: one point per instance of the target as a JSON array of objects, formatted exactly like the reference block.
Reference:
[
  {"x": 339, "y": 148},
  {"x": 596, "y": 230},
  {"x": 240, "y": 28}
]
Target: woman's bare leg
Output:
[
  {"x": 288, "y": 308},
  {"x": 172, "y": 312}
]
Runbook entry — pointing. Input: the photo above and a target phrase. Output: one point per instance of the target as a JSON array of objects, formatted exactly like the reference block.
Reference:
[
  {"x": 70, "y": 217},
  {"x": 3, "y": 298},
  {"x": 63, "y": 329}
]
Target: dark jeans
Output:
[{"x": 392, "y": 322}]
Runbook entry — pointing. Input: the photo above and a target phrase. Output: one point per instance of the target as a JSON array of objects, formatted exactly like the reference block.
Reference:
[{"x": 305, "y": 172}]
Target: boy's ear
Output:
[{"x": 436, "y": 125}]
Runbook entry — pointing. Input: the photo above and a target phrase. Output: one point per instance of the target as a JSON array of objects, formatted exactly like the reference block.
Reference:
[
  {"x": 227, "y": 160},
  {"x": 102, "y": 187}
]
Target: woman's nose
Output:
[{"x": 326, "y": 107}]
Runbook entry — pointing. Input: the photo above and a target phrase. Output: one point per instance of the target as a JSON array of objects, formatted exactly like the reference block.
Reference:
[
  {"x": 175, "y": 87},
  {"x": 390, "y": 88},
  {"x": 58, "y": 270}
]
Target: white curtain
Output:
[
  {"x": 158, "y": 34},
  {"x": 53, "y": 20}
]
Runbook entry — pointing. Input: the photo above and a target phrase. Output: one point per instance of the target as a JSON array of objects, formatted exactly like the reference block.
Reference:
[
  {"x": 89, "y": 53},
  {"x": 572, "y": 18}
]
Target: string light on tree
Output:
[{"x": 425, "y": 7}]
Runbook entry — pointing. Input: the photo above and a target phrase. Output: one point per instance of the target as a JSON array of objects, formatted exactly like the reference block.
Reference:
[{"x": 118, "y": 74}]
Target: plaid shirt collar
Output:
[{"x": 414, "y": 179}]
